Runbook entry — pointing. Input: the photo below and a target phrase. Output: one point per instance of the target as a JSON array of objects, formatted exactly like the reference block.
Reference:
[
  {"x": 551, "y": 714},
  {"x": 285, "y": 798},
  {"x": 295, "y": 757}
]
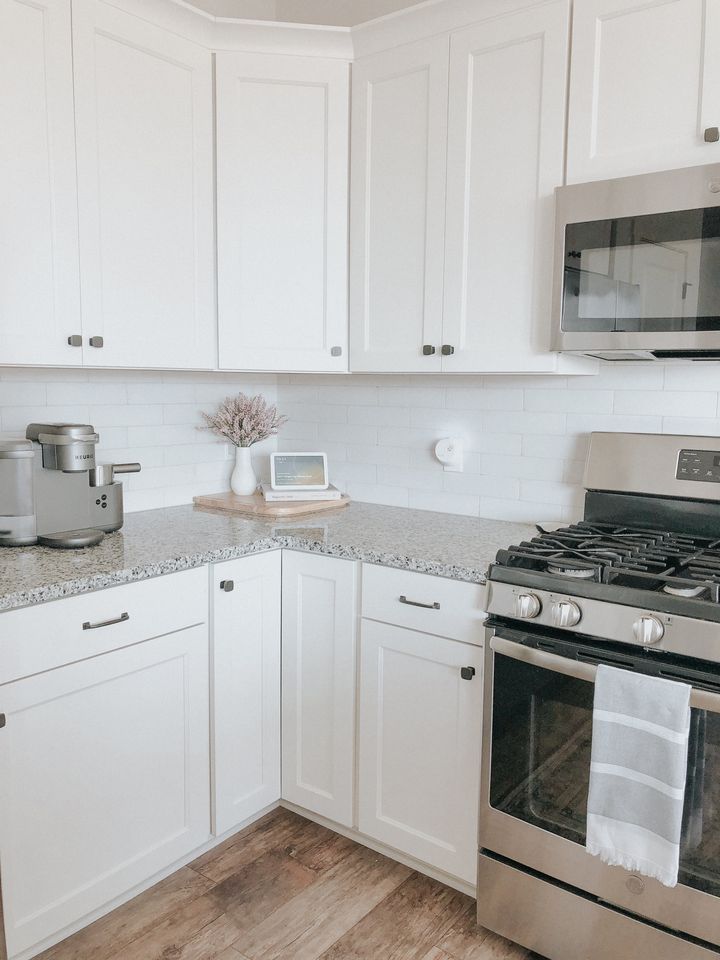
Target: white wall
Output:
[
  {"x": 525, "y": 437},
  {"x": 145, "y": 416}
]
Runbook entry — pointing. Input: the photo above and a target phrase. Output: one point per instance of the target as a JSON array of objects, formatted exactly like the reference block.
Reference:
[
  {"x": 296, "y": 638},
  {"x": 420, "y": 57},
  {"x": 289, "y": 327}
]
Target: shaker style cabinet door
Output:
[
  {"x": 39, "y": 279},
  {"x": 420, "y": 737},
  {"x": 505, "y": 158},
  {"x": 399, "y": 143},
  {"x": 319, "y": 609},
  {"x": 104, "y": 773},
  {"x": 644, "y": 87},
  {"x": 145, "y": 146},
  {"x": 282, "y": 195},
  {"x": 246, "y": 684}
]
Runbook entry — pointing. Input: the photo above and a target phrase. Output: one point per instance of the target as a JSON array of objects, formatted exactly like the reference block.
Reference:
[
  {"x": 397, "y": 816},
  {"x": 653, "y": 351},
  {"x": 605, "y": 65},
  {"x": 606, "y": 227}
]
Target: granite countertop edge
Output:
[{"x": 80, "y": 585}]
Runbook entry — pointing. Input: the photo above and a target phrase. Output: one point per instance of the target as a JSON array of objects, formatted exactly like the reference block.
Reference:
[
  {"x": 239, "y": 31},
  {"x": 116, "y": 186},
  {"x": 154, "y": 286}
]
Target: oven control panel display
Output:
[{"x": 699, "y": 465}]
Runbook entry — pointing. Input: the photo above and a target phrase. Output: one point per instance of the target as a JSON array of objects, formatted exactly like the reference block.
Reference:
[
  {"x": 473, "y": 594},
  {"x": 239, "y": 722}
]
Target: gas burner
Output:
[
  {"x": 575, "y": 573},
  {"x": 684, "y": 591}
]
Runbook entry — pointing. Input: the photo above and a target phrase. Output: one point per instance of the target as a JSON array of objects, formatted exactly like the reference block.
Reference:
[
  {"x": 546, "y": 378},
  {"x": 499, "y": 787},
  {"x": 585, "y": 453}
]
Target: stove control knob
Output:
[
  {"x": 565, "y": 613},
  {"x": 648, "y": 630},
  {"x": 527, "y": 606}
]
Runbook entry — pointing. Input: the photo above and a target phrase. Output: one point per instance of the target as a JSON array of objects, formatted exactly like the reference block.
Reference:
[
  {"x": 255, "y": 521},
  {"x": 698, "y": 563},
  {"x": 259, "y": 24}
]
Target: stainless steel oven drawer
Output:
[{"x": 562, "y": 925}]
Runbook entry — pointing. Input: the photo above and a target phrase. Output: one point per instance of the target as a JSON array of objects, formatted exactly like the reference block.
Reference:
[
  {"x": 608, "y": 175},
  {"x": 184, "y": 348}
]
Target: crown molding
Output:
[
  {"x": 248, "y": 36},
  {"x": 430, "y": 19}
]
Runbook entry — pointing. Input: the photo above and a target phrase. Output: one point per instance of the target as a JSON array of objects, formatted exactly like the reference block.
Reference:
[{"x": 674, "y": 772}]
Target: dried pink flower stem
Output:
[{"x": 244, "y": 420}]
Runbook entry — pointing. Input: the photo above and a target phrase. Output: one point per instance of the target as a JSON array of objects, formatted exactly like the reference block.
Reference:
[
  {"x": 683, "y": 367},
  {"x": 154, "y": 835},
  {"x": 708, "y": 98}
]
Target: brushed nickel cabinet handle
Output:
[
  {"x": 428, "y": 350},
  {"x": 96, "y": 342},
  {"x": 227, "y": 585},
  {"x": 106, "y": 623},
  {"x": 335, "y": 351},
  {"x": 447, "y": 350},
  {"x": 416, "y": 603},
  {"x": 3, "y": 720},
  {"x": 467, "y": 673},
  {"x": 75, "y": 340},
  {"x": 712, "y": 134}
]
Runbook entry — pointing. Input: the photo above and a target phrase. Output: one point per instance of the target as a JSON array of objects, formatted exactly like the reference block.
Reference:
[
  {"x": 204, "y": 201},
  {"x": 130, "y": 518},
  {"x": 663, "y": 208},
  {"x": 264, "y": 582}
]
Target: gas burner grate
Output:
[{"x": 645, "y": 559}]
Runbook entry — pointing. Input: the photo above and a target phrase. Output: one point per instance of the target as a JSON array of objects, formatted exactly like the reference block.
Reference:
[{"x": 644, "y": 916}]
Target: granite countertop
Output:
[{"x": 154, "y": 542}]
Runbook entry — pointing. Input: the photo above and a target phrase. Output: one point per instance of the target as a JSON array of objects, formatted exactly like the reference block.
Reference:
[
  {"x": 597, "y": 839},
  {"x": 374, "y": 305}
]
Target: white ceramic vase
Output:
[{"x": 243, "y": 480}]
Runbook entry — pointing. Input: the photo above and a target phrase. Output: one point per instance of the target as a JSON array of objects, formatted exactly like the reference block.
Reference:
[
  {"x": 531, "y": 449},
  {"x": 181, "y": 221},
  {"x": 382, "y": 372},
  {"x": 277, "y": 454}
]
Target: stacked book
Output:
[{"x": 293, "y": 496}]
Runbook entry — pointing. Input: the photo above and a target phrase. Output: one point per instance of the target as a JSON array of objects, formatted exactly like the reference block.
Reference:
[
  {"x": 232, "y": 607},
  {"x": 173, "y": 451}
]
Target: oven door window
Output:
[
  {"x": 541, "y": 743},
  {"x": 655, "y": 273}
]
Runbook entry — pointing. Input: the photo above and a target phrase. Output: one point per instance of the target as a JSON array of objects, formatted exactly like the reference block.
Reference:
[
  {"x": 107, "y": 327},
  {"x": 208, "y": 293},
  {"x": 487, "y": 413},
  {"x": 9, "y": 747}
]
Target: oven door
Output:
[{"x": 535, "y": 774}]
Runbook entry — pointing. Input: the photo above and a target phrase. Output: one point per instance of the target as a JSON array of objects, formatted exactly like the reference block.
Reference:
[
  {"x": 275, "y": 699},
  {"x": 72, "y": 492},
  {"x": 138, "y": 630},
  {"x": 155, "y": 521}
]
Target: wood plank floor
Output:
[{"x": 288, "y": 889}]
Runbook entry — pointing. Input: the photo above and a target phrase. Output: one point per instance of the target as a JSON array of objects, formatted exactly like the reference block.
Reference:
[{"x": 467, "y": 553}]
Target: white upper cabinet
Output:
[
  {"x": 505, "y": 158},
  {"x": 143, "y": 100},
  {"x": 644, "y": 86},
  {"x": 246, "y": 687},
  {"x": 399, "y": 136},
  {"x": 39, "y": 283},
  {"x": 282, "y": 195},
  {"x": 458, "y": 145}
]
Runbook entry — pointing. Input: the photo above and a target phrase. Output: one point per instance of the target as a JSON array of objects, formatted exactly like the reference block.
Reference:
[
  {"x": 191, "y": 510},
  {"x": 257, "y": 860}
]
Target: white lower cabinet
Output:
[
  {"x": 319, "y": 599},
  {"x": 419, "y": 745},
  {"x": 246, "y": 687},
  {"x": 103, "y": 779}
]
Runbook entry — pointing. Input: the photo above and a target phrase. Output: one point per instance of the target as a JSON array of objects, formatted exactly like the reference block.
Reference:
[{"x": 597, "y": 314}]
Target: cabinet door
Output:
[
  {"x": 420, "y": 733},
  {"x": 144, "y": 144},
  {"x": 246, "y": 687},
  {"x": 644, "y": 86},
  {"x": 39, "y": 279},
  {"x": 282, "y": 183},
  {"x": 505, "y": 158},
  {"x": 399, "y": 137},
  {"x": 104, "y": 779},
  {"x": 319, "y": 601}
]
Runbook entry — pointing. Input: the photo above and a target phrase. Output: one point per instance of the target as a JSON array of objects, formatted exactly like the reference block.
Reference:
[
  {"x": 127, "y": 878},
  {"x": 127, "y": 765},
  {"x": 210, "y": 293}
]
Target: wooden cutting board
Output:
[{"x": 255, "y": 505}]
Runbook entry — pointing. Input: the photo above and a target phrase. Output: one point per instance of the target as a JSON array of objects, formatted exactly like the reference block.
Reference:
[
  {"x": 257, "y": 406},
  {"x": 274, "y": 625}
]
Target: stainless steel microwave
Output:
[{"x": 637, "y": 266}]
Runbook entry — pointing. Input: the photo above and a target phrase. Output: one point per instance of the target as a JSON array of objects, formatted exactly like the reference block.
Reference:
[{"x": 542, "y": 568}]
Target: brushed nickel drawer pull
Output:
[
  {"x": 3, "y": 720},
  {"x": 106, "y": 623},
  {"x": 416, "y": 603}
]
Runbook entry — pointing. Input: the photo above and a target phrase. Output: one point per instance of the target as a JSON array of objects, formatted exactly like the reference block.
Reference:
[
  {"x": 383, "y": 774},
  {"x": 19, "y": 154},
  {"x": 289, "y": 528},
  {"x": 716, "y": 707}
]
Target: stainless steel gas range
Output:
[{"x": 635, "y": 584}]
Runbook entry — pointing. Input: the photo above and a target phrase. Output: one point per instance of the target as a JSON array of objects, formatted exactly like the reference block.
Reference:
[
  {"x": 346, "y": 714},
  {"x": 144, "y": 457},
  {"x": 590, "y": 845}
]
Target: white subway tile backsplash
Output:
[
  {"x": 692, "y": 376},
  {"x": 346, "y": 432},
  {"x": 465, "y": 504},
  {"x": 525, "y": 437},
  {"x": 523, "y": 423},
  {"x": 699, "y": 426},
  {"x": 531, "y": 468},
  {"x": 378, "y": 416},
  {"x": 566, "y": 401},
  {"x": 411, "y": 477},
  {"x": 470, "y": 398},
  {"x": 143, "y": 416},
  {"x": 667, "y": 403}
]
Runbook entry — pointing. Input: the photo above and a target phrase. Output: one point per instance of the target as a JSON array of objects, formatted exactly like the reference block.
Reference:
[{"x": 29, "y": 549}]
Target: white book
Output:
[{"x": 294, "y": 496}]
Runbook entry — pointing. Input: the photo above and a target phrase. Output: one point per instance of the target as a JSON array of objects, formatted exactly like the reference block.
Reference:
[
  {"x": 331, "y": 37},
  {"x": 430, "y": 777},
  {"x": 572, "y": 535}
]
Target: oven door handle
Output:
[{"x": 700, "y": 699}]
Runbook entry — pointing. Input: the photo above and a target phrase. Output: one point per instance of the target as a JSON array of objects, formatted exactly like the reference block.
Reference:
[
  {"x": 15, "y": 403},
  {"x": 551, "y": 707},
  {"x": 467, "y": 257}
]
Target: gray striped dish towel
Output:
[{"x": 638, "y": 769}]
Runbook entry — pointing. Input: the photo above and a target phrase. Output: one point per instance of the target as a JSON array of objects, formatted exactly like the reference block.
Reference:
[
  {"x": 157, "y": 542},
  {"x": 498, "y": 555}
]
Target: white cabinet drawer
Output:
[
  {"x": 50, "y": 635},
  {"x": 447, "y": 608}
]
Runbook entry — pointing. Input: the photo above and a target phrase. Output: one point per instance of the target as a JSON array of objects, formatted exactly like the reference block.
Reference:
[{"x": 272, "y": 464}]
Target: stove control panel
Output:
[{"x": 699, "y": 465}]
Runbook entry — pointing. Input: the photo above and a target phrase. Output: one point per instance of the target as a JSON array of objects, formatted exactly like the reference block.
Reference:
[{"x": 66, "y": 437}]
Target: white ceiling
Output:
[{"x": 341, "y": 13}]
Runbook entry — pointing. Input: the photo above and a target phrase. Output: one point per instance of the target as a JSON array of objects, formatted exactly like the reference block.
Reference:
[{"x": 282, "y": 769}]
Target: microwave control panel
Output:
[{"x": 699, "y": 465}]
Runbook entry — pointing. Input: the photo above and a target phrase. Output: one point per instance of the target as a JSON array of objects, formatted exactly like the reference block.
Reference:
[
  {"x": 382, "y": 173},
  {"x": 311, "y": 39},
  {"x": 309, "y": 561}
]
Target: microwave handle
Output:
[{"x": 700, "y": 699}]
